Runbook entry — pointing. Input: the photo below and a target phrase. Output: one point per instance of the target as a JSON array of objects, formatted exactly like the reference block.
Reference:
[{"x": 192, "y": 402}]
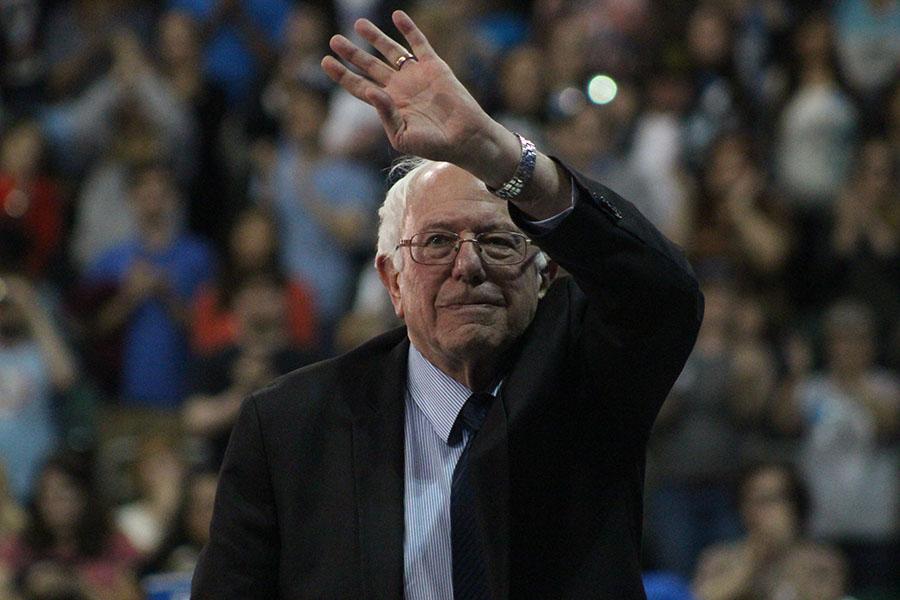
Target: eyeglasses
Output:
[{"x": 441, "y": 247}]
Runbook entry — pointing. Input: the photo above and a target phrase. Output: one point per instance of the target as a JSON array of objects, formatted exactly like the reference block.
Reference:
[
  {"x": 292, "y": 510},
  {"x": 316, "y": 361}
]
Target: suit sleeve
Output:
[
  {"x": 241, "y": 558},
  {"x": 637, "y": 306}
]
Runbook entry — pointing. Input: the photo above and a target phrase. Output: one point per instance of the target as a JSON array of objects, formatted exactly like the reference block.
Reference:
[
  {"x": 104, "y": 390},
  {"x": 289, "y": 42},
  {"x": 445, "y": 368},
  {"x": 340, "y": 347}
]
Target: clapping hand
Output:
[
  {"x": 19, "y": 292},
  {"x": 143, "y": 281}
]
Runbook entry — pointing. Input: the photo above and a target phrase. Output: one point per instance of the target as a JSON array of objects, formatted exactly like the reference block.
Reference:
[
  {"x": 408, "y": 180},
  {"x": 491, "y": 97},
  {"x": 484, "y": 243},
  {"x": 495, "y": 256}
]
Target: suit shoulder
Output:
[{"x": 327, "y": 379}]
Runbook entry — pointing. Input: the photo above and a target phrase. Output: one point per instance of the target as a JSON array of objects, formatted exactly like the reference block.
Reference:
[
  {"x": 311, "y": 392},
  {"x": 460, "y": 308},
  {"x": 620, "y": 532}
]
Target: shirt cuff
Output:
[{"x": 545, "y": 226}]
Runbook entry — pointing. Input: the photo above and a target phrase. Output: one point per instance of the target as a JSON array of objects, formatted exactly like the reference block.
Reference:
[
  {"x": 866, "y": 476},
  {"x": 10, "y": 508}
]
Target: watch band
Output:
[{"x": 512, "y": 188}]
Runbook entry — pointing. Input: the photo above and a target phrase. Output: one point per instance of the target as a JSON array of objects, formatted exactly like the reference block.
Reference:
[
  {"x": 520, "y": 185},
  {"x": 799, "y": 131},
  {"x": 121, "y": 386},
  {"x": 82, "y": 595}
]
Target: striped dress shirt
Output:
[{"x": 433, "y": 401}]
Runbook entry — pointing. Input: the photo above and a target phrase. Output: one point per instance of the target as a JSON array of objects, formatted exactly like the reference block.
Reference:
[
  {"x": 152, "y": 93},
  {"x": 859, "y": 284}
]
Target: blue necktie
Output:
[{"x": 467, "y": 545}]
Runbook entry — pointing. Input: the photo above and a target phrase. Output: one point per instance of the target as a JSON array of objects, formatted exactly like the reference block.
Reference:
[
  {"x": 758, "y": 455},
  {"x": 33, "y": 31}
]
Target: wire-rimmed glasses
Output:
[{"x": 441, "y": 247}]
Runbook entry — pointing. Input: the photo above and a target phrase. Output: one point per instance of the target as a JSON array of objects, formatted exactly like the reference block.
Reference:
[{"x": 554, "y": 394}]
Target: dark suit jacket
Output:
[{"x": 310, "y": 502}]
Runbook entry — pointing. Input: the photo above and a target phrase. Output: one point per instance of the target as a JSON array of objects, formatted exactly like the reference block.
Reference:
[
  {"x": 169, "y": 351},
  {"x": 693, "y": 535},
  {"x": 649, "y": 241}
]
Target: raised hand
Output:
[
  {"x": 424, "y": 108},
  {"x": 427, "y": 112}
]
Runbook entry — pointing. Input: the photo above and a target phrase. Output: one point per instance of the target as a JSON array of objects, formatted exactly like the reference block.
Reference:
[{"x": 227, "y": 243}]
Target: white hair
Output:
[{"x": 392, "y": 213}]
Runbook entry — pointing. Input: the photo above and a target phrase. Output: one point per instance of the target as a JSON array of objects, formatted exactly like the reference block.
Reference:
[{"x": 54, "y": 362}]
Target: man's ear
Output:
[
  {"x": 390, "y": 278},
  {"x": 547, "y": 271}
]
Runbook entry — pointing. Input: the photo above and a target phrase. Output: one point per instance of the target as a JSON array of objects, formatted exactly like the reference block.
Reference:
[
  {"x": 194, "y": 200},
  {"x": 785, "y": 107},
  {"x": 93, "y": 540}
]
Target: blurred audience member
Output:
[
  {"x": 565, "y": 46},
  {"x": 351, "y": 128},
  {"x": 261, "y": 351},
  {"x": 737, "y": 219},
  {"x": 76, "y": 40},
  {"x": 818, "y": 126},
  {"x": 48, "y": 580},
  {"x": 754, "y": 362},
  {"x": 656, "y": 155},
  {"x": 699, "y": 438},
  {"x": 178, "y": 47},
  {"x": 241, "y": 39},
  {"x": 35, "y": 365},
  {"x": 305, "y": 39},
  {"x": 523, "y": 92},
  {"x": 69, "y": 529},
  {"x": 716, "y": 102},
  {"x": 586, "y": 139},
  {"x": 621, "y": 35},
  {"x": 867, "y": 36},
  {"x": 129, "y": 116},
  {"x": 30, "y": 200},
  {"x": 12, "y": 516},
  {"x": 452, "y": 29},
  {"x": 189, "y": 530},
  {"x": 865, "y": 237},
  {"x": 22, "y": 65},
  {"x": 253, "y": 250},
  {"x": 775, "y": 560},
  {"x": 159, "y": 478},
  {"x": 324, "y": 205},
  {"x": 372, "y": 314},
  {"x": 762, "y": 26},
  {"x": 849, "y": 416},
  {"x": 156, "y": 274}
]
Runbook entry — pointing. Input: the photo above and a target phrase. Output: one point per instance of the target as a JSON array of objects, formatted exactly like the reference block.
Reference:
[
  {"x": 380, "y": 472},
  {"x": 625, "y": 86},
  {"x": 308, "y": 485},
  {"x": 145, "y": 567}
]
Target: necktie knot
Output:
[{"x": 471, "y": 416}]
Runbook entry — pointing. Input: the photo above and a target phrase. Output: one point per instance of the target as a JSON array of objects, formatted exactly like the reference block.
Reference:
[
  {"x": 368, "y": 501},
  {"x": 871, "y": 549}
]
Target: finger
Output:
[
  {"x": 388, "y": 48},
  {"x": 390, "y": 118},
  {"x": 376, "y": 69},
  {"x": 347, "y": 79},
  {"x": 417, "y": 40}
]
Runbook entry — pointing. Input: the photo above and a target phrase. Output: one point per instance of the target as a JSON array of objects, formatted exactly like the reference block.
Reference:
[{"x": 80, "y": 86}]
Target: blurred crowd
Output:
[{"x": 187, "y": 210}]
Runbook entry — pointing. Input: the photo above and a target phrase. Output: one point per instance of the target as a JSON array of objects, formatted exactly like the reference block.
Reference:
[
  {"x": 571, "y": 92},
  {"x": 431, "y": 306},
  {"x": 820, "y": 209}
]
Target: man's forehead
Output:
[{"x": 446, "y": 197}]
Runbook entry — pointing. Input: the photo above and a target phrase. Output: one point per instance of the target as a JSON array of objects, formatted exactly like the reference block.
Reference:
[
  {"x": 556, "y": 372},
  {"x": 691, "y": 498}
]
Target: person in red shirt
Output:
[
  {"x": 252, "y": 250},
  {"x": 31, "y": 203}
]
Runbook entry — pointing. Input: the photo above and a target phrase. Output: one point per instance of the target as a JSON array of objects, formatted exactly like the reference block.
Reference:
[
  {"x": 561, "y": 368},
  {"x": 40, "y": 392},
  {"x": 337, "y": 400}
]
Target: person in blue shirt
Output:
[
  {"x": 154, "y": 274},
  {"x": 324, "y": 204},
  {"x": 35, "y": 365},
  {"x": 242, "y": 36}
]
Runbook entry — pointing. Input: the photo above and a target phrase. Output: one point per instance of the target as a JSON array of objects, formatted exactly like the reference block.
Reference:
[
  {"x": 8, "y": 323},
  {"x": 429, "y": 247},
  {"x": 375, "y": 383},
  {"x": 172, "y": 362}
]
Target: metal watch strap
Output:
[{"x": 524, "y": 171}]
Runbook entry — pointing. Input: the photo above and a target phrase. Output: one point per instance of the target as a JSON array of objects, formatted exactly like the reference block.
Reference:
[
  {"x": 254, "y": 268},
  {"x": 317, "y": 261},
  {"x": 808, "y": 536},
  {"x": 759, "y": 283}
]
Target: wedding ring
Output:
[{"x": 402, "y": 60}]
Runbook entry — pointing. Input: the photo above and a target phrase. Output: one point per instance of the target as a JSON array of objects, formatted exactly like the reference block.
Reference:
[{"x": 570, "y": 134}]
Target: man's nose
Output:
[{"x": 468, "y": 265}]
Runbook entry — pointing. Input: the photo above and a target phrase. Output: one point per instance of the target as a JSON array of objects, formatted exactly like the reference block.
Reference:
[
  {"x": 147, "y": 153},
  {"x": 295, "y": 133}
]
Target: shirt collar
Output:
[{"x": 438, "y": 396}]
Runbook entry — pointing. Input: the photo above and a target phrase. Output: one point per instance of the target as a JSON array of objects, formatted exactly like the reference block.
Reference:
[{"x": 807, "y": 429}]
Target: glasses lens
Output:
[
  {"x": 433, "y": 247},
  {"x": 501, "y": 248}
]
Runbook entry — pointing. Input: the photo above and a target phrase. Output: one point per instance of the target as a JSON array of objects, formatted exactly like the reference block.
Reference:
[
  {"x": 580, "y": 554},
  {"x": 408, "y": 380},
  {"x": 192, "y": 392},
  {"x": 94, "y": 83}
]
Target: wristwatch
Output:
[{"x": 512, "y": 188}]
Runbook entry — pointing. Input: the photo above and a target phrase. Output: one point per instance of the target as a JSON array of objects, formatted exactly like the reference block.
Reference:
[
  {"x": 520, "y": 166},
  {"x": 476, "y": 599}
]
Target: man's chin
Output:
[{"x": 473, "y": 339}]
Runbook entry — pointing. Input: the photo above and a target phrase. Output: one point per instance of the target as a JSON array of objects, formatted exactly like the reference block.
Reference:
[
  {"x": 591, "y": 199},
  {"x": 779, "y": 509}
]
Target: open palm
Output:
[{"x": 424, "y": 108}]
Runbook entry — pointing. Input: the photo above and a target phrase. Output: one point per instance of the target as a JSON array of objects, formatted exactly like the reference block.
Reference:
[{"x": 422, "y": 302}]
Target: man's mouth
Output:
[{"x": 473, "y": 303}]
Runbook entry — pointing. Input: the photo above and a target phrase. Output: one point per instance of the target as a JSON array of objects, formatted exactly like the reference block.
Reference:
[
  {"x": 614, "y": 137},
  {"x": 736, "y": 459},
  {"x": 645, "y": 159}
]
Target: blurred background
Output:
[{"x": 188, "y": 209}]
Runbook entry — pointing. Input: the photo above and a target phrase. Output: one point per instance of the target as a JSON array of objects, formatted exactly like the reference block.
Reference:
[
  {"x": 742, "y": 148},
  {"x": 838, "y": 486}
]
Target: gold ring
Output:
[{"x": 402, "y": 60}]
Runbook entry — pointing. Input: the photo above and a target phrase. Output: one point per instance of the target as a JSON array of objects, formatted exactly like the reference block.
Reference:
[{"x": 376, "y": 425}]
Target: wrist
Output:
[{"x": 495, "y": 157}]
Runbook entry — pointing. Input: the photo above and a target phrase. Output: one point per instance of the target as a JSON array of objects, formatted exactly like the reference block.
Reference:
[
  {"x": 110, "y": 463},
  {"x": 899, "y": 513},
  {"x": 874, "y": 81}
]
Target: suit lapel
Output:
[{"x": 378, "y": 427}]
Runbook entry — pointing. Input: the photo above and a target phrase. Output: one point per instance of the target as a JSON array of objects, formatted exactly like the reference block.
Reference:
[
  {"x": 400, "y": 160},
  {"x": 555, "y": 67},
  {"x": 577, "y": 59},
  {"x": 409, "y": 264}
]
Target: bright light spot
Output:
[{"x": 602, "y": 89}]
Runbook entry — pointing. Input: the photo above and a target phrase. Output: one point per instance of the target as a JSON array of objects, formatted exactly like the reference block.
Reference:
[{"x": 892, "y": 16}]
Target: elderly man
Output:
[{"x": 494, "y": 446}]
